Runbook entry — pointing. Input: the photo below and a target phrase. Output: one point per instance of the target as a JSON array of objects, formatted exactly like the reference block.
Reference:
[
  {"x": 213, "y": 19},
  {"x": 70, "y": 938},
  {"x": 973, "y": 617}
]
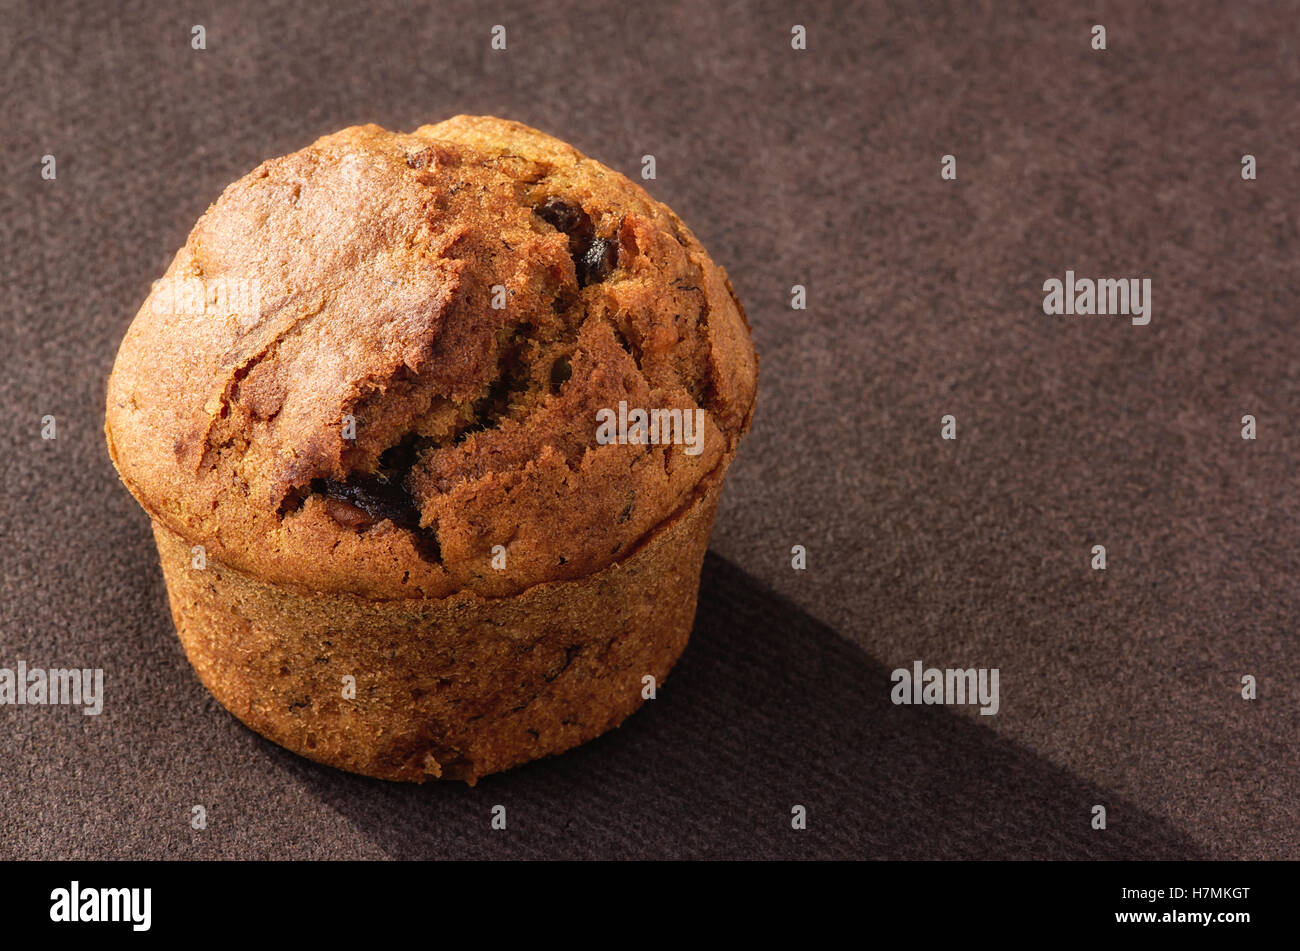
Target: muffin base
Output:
[{"x": 452, "y": 688}]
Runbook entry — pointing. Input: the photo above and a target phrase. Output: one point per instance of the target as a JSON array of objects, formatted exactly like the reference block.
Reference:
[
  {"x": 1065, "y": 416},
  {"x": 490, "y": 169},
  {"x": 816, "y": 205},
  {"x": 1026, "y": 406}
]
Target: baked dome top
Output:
[{"x": 322, "y": 393}]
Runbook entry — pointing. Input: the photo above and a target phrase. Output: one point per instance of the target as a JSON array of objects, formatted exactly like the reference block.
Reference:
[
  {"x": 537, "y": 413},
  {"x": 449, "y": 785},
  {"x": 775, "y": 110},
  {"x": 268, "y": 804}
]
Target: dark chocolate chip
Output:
[
  {"x": 364, "y": 500},
  {"x": 377, "y": 497},
  {"x": 565, "y": 217},
  {"x": 561, "y": 371},
  {"x": 593, "y": 258},
  {"x": 597, "y": 261},
  {"x": 349, "y": 515}
]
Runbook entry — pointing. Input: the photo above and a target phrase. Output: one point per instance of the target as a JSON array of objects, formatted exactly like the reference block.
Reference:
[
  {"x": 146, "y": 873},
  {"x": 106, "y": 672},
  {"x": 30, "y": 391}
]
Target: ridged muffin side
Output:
[{"x": 443, "y": 688}]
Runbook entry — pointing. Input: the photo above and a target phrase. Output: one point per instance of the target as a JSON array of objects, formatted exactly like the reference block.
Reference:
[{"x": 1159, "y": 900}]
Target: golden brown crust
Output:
[
  {"x": 348, "y": 426},
  {"x": 371, "y": 258}
]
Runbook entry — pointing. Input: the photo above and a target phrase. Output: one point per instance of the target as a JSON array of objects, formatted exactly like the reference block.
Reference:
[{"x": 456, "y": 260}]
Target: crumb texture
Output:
[{"x": 354, "y": 280}]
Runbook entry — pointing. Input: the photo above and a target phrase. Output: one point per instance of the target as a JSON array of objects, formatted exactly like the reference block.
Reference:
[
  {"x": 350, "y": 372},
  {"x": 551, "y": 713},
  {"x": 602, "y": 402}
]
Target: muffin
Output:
[{"x": 431, "y": 429}]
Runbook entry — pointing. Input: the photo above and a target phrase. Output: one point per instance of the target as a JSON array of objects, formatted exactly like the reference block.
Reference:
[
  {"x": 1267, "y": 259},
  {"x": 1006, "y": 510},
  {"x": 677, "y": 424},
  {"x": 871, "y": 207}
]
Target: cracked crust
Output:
[{"x": 374, "y": 256}]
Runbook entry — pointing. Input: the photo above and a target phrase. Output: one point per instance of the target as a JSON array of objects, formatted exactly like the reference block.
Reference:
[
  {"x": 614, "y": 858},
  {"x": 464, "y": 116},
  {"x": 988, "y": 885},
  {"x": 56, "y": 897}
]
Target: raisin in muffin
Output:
[{"x": 361, "y": 409}]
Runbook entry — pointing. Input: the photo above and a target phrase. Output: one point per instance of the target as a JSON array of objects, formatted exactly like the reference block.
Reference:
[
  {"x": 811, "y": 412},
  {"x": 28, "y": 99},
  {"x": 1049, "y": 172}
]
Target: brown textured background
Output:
[{"x": 819, "y": 167}]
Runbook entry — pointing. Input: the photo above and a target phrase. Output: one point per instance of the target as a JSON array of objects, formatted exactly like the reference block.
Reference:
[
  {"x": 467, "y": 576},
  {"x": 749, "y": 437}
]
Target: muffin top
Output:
[{"x": 378, "y": 358}]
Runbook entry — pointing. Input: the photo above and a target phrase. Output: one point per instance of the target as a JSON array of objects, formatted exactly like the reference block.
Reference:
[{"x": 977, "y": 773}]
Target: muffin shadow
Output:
[{"x": 768, "y": 709}]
